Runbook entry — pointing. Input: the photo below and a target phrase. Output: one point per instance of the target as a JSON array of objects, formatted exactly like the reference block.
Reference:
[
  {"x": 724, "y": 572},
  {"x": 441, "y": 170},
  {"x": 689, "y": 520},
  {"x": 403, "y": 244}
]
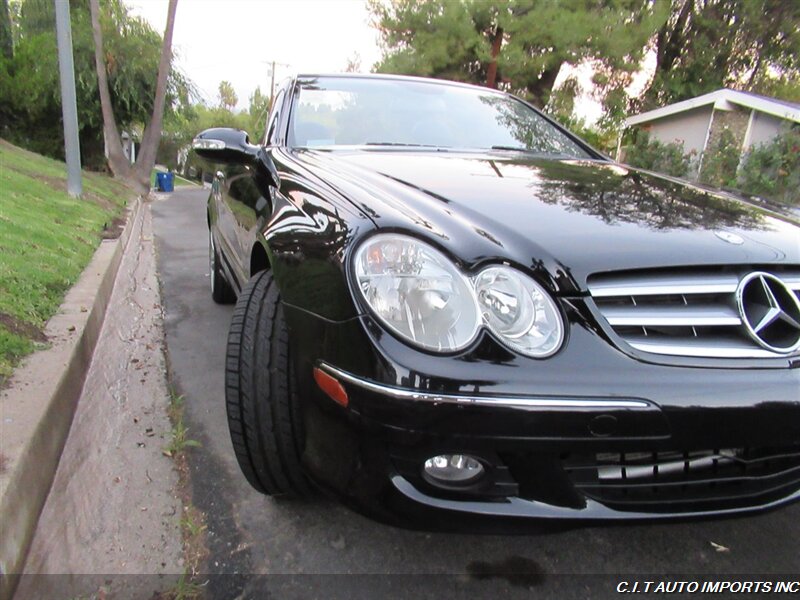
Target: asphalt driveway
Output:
[{"x": 307, "y": 547}]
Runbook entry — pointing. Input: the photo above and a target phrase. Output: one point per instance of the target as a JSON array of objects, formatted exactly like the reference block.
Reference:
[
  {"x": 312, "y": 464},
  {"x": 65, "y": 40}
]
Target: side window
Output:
[{"x": 274, "y": 117}]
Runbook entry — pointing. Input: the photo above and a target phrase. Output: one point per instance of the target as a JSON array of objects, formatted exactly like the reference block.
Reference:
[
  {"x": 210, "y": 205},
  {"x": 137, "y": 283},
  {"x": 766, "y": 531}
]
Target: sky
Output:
[{"x": 237, "y": 40}]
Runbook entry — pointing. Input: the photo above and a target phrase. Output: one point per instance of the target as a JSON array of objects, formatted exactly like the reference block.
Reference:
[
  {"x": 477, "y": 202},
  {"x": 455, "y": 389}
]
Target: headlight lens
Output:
[
  {"x": 417, "y": 292},
  {"x": 519, "y": 311}
]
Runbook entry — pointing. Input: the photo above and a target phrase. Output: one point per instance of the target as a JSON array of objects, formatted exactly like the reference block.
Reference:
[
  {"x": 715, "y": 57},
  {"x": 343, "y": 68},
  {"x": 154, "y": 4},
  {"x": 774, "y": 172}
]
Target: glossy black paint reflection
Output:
[
  {"x": 560, "y": 219},
  {"x": 301, "y": 212}
]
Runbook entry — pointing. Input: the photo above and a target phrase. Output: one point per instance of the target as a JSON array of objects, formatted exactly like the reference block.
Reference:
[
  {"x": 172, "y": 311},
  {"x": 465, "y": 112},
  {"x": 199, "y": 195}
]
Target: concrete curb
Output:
[{"x": 38, "y": 406}]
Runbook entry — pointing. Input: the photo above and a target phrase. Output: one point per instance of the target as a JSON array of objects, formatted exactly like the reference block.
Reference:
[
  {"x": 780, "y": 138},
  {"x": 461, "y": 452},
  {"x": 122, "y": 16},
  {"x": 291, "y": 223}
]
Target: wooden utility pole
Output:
[
  {"x": 272, "y": 83},
  {"x": 273, "y": 64}
]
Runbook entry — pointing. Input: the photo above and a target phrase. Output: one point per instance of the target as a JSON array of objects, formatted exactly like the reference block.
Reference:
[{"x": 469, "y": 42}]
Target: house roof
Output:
[{"x": 722, "y": 100}]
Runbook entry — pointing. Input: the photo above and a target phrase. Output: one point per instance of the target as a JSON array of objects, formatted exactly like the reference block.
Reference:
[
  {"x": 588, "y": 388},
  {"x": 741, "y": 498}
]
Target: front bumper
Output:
[{"x": 558, "y": 453}]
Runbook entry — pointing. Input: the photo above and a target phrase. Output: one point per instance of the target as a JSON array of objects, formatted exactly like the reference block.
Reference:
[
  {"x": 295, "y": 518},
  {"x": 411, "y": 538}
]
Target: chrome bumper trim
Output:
[{"x": 518, "y": 402}]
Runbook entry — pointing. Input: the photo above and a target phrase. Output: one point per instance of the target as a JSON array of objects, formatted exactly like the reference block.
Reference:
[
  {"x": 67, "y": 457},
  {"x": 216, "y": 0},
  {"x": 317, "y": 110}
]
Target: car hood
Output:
[{"x": 570, "y": 218}]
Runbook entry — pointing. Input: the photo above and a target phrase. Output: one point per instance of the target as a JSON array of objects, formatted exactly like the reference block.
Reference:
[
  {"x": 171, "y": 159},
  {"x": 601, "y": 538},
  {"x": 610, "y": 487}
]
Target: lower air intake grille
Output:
[{"x": 686, "y": 481}]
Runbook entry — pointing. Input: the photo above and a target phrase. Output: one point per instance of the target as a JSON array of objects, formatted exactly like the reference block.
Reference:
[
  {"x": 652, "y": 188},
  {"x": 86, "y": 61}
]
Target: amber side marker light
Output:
[{"x": 331, "y": 386}]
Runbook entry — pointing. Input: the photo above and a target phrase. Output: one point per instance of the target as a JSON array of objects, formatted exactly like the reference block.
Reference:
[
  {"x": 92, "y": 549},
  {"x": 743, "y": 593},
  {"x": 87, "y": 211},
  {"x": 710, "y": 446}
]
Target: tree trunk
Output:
[
  {"x": 541, "y": 88},
  {"x": 674, "y": 39},
  {"x": 117, "y": 161},
  {"x": 752, "y": 79},
  {"x": 152, "y": 133},
  {"x": 497, "y": 42}
]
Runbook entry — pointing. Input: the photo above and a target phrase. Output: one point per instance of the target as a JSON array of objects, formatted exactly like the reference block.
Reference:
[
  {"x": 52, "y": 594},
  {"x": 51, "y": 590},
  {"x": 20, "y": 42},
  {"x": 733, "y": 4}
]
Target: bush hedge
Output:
[{"x": 771, "y": 170}]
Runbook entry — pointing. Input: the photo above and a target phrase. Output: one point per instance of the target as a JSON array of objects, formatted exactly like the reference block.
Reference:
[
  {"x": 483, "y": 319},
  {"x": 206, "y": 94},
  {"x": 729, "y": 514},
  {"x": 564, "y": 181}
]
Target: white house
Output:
[{"x": 696, "y": 123}]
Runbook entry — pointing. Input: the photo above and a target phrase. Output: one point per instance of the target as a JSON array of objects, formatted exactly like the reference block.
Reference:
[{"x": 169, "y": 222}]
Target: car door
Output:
[
  {"x": 242, "y": 195},
  {"x": 226, "y": 178}
]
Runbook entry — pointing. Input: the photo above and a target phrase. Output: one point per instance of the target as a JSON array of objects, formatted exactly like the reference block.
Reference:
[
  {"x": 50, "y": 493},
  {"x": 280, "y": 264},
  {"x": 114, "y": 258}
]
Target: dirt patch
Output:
[
  {"x": 114, "y": 229},
  {"x": 3, "y": 463},
  {"x": 21, "y": 328}
]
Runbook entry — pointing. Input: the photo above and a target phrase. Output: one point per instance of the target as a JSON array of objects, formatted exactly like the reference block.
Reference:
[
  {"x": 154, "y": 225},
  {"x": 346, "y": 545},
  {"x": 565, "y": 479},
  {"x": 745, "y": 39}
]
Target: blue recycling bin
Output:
[{"x": 165, "y": 182}]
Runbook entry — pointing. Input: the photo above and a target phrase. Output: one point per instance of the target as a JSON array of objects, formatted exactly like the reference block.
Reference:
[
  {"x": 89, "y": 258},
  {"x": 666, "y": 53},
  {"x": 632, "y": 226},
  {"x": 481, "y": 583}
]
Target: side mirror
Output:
[{"x": 226, "y": 145}]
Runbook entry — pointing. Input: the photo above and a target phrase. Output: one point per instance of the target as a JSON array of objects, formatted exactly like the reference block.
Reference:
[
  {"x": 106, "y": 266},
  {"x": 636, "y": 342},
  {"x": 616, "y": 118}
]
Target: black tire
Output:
[
  {"x": 262, "y": 406},
  {"x": 221, "y": 290}
]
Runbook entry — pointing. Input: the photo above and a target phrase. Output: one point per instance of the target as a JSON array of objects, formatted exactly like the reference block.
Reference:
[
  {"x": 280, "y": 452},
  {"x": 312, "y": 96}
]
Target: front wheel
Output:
[{"x": 262, "y": 406}]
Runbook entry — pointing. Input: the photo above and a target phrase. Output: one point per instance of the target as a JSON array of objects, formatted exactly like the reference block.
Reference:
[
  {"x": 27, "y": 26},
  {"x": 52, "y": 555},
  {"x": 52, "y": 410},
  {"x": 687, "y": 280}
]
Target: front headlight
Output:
[
  {"x": 519, "y": 311},
  {"x": 417, "y": 292}
]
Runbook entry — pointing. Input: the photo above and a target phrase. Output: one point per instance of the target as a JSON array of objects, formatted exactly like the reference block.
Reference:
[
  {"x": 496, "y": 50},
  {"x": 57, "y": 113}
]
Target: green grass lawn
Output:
[{"x": 46, "y": 240}]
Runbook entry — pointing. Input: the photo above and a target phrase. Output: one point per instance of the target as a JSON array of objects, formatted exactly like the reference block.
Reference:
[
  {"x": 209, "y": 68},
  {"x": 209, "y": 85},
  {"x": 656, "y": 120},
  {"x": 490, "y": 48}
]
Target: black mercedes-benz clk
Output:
[{"x": 450, "y": 312}]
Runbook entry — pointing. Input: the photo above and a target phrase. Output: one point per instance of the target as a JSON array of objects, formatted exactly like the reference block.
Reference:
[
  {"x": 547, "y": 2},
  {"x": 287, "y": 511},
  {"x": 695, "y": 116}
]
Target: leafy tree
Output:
[
  {"x": 708, "y": 44},
  {"x": 519, "y": 45},
  {"x": 544, "y": 36},
  {"x": 227, "y": 95},
  {"x": 783, "y": 87},
  {"x": 6, "y": 36},
  {"x": 30, "y": 101},
  {"x": 38, "y": 16},
  {"x": 429, "y": 38},
  {"x": 258, "y": 113}
]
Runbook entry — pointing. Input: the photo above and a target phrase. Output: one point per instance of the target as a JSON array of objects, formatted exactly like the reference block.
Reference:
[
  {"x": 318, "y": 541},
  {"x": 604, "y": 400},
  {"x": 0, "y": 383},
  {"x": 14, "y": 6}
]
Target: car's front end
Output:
[
  {"x": 662, "y": 379},
  {"x": 599, "y": 430}
]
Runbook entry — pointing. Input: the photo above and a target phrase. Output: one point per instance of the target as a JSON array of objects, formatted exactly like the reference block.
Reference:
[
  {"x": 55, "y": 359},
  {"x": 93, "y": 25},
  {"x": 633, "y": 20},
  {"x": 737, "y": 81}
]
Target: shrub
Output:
[
  {"x": 658, "y": 156},
  {"x": 773, "y": 169},
  {"x": 720, "y": 161}
]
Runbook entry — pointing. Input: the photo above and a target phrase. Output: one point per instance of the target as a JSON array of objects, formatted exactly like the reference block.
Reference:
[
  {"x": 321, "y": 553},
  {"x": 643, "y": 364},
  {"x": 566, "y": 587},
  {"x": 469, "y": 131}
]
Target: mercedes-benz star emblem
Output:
[{"x": 770, "y": 311}]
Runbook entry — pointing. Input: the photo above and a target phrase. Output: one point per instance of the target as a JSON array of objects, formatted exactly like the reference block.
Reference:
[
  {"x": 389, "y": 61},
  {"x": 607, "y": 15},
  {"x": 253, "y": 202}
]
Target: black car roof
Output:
[{"x": 392, "y": 76}]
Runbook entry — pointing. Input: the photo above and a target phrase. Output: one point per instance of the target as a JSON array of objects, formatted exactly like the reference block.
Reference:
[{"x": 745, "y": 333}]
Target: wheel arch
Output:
[{"x": 259, "y": 259}]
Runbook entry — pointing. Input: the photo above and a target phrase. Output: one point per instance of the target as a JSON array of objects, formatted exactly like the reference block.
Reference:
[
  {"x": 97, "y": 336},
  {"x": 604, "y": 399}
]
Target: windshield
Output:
[{"x": 333, "y": 111}]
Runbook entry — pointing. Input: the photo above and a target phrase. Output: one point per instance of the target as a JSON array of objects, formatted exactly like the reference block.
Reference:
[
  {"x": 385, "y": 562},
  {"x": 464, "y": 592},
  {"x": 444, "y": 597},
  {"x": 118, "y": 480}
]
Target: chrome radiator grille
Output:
[{"x": 682, "y": 313}]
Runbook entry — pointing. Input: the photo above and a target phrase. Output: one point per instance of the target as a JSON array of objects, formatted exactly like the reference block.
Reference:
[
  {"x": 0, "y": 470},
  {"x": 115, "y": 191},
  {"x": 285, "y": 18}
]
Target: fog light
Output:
[{"x": 453, "y": 468}]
